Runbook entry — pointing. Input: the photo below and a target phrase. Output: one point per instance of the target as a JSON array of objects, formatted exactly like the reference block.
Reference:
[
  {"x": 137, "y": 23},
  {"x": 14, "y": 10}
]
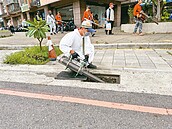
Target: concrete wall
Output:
[
  {"x": 78, "y": 10},
  {"x": 1, "y": 9},
  {"x": 162, "y": 27}
]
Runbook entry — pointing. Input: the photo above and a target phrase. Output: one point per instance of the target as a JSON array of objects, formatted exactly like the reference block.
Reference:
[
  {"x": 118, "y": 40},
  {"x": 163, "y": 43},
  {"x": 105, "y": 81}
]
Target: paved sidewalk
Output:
[
  {"x": 159, "y": 59},
  {"x": 112, "y": 57},
  {"x": 100, "y": 40}
]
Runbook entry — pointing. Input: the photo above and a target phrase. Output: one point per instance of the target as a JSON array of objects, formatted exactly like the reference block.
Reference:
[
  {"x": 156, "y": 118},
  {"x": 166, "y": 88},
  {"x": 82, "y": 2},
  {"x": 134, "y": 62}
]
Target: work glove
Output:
[{"x": 74, "y": 55}]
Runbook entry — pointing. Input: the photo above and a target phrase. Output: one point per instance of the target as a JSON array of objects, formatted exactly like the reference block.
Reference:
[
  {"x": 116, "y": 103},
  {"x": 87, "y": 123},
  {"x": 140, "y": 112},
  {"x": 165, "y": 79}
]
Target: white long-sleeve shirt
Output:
[
  {"x": 111, "y": 14},
  {"x": 74, "y": 41},
  {"x": 50, "y": 19}
]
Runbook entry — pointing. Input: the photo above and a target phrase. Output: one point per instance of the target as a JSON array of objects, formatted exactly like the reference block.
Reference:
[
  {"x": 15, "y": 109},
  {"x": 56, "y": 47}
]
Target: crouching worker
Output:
[{"x": 78, "y": 44}]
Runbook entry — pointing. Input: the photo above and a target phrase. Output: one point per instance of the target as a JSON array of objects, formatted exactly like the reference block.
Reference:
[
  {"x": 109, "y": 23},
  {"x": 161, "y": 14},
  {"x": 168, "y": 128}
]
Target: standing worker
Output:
[
  {"x": 59, "y": 24},
  {"x": 11, "y": 26},
  {"x": 88, "y": 15},
  {"x": 38, "y": 16},
  {"x": 136, "y": 12},
  {"x": 110, "y": 17},
  {"x": 51, "y": 22}
]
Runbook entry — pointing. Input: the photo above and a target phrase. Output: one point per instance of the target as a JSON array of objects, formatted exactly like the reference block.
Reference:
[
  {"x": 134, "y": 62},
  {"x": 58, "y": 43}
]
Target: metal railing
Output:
[
  {"x": 8, "y": 2},
  {"x": 13, "y": 8},
  {"x": 35, "y": 3}
]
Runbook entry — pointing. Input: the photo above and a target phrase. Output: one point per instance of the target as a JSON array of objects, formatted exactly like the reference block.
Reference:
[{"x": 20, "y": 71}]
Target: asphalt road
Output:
[{"x": 19, "y": 111}]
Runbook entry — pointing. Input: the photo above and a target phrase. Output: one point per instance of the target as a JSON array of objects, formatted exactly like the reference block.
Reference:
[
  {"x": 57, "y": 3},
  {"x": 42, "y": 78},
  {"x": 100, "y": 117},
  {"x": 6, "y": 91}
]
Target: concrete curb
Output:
[
  {"x": 135, "y": 46},
  {"x": 5, "y": 33},
  {"x": 14, "y": 47},
  {"x": 105, "y": 46}
]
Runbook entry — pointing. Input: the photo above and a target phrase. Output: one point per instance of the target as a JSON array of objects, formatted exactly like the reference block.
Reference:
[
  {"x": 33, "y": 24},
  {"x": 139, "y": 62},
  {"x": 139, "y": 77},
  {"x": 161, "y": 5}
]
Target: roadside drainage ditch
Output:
[{"x": 106, "y": 78}]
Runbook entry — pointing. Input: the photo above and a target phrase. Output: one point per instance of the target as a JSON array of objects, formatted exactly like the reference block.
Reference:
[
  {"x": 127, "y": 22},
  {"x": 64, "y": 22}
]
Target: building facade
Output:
[{"x": 17, "y": 10}]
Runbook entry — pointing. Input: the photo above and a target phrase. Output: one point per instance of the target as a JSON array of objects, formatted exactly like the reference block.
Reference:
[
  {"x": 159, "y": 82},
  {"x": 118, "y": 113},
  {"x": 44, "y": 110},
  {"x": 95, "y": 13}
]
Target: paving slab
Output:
[{"x": 143, "y": 59}]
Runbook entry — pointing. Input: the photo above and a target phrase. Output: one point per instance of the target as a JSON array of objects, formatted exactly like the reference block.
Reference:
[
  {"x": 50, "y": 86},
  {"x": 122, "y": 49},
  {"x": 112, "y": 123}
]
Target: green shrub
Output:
[
  {"x": 130, "y": 14},
  {"x": 32, "y": 55},
  {"x": 165, "y": 15},
  {"x": 38, "y": 30}
]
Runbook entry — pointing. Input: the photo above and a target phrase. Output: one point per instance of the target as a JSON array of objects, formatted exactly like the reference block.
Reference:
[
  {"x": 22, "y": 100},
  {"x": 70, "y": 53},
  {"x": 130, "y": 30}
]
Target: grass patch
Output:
[{"x": 32, "y": 55}]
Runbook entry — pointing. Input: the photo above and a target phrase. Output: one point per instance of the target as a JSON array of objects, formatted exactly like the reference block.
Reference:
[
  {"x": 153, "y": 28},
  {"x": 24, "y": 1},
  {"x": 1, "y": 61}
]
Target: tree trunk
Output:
[
  {"x": 158, "y": 14},
  {"x": 40, "y": 42},
  {"x": 153, "y": 9}
]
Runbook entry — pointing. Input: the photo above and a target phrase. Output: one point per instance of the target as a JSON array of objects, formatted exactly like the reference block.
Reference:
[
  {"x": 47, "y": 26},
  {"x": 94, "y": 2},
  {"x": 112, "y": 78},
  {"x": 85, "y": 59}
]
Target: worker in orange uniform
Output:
[
  {"x": 88, "y": 16},
  {"x": 137, "y": 15},
  {"x": 59, "y": 22}
]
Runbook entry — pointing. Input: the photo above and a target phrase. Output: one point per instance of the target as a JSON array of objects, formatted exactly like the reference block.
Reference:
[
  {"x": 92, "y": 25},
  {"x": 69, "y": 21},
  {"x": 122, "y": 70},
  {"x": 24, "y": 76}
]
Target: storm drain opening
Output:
[
  {"x": 106, "y": 78},
  {"x": 70, "y": 75}
]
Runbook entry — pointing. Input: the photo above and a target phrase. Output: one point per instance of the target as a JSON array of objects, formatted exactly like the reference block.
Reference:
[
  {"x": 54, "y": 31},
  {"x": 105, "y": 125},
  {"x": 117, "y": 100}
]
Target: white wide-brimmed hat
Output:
[{"x": 87, "y": 25}]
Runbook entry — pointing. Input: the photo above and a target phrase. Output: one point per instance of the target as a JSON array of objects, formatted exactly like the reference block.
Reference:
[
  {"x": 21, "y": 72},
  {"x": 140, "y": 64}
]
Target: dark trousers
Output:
[
  {"x": 110, "y": 31},
  {"x": 12, "y": 29}
]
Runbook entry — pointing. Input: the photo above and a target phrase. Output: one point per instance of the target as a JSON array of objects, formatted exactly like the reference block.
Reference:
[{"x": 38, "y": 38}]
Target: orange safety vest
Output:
[
  {"x": 87, "y": 15},
  {"x": 58, "y": 18},
  {"x": 137, "y": 9}
]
